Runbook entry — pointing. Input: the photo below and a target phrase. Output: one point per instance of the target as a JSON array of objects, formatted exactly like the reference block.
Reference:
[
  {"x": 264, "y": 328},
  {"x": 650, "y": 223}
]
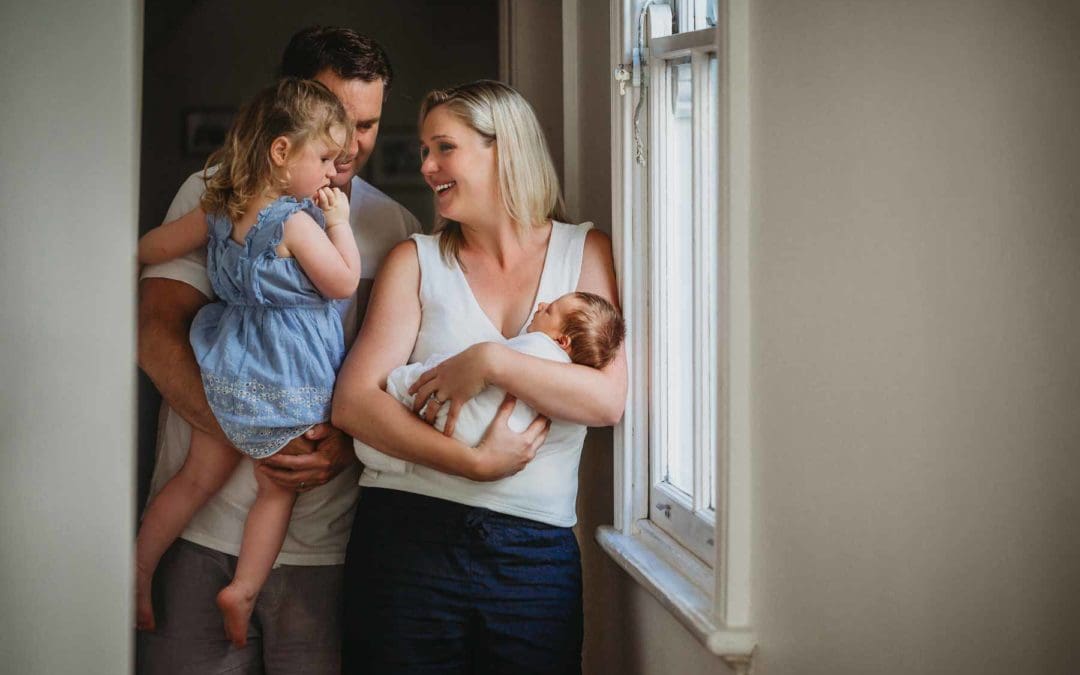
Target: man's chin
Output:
[{"x": 343, "y": 178}]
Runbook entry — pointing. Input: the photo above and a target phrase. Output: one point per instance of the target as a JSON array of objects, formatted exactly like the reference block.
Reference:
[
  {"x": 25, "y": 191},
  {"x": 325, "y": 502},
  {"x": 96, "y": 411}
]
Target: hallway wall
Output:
[{"x": 68, "y": 184}]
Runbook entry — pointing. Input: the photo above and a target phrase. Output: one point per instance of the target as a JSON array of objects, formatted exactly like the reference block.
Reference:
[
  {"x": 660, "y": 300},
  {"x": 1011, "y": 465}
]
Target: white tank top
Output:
[{"x": 451, "y": 320}]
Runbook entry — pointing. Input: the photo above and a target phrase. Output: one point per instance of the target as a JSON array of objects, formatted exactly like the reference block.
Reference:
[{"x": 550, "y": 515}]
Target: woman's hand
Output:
[
  {"x": 454, "y": 381},
  {"x": 502, "y": 452}
]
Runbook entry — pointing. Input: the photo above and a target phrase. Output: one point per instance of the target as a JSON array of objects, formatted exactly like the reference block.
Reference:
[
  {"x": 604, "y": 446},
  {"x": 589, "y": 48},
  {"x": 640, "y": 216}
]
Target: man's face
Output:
[{"x": 363, "y": 103}]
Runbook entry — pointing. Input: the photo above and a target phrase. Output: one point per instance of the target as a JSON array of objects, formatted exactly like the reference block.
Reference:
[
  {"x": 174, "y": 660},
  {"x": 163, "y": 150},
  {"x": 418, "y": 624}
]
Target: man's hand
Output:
[{"x": 310, "y": 460}]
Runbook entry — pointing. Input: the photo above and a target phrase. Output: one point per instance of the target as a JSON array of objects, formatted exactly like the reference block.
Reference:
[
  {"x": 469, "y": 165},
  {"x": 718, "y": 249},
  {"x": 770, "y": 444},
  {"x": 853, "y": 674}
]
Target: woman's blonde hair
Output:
[
  {"x": 528, "y": 185},
  {"x": 299, "y": 110}
]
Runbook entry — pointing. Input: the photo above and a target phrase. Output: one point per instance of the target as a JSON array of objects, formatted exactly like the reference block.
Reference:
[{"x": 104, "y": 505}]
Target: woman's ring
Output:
[
  {"x": 301, "y": 486},
  {"x": 434, "y": 397}
]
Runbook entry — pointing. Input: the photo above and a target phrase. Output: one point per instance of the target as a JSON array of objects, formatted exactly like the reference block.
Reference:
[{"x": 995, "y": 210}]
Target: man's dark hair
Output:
[{"x": 350, "y": 55}]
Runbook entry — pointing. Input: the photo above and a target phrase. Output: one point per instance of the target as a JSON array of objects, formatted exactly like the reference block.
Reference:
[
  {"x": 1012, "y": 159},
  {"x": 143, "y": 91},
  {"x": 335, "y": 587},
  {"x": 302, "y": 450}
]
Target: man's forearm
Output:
[{"x": 166, "y": 308}]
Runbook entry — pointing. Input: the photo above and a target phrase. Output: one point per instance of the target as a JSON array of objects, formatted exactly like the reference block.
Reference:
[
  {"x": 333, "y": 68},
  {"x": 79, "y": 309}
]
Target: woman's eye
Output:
[
  {"x": 423, "y": 153},
  {"x": 445, "y": 147}
]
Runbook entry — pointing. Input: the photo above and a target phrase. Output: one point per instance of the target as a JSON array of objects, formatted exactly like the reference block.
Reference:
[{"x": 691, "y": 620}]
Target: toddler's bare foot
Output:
[
  {"x": 236, "y": 605},
  {"x": 144, "y": 608}
]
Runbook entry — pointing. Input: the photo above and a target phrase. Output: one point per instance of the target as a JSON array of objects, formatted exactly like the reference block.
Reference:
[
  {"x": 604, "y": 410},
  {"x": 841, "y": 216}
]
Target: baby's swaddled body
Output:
[{"x": 475, "y": 415}]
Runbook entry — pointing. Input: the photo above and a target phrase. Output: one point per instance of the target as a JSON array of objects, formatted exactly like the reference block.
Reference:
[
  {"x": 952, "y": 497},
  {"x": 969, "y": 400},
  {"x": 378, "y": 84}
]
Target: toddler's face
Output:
[
  {"x": 550, "y": 318},
  {"x": 312, "y": 165}
]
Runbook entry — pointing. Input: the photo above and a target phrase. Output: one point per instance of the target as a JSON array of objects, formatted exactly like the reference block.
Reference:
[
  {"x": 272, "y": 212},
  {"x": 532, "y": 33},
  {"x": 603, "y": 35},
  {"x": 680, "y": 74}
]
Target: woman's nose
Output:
[{"x": 428, "y": 165}]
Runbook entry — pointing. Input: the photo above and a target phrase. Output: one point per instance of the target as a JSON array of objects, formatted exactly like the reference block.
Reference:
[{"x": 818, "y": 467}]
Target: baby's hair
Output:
[
  {"x": 300, "y": 110},
  {"x": 596, "y": 330}
]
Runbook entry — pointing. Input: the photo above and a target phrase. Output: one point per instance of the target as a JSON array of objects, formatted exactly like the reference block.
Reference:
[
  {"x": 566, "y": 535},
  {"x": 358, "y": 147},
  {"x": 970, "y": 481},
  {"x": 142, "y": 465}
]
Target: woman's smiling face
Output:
[{"x": 461, "y": 167}]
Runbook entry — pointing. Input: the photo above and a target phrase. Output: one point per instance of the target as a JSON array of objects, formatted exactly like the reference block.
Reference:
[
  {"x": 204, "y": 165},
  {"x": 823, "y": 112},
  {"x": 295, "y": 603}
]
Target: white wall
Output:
[
  {"x": 916, "y": 268},
  {"x": 68, "y": 142}
]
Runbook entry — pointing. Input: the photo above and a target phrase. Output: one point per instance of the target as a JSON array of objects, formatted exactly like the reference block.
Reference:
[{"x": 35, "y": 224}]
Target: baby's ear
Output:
[{"x": 563, "y": 341}]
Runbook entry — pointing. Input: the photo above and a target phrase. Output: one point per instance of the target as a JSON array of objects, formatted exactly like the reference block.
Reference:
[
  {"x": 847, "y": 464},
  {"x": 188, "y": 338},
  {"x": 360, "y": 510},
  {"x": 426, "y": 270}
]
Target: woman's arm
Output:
[
  {"x": 561, "y": 391},
  {"x": 365, "y": 411},
  {"x": 330, "y": 259},
  {"x": 174, "y": 238}
]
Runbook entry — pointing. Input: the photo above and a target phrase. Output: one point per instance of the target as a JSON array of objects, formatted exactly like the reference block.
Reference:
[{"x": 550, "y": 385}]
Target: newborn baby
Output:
[{"x": 581, "y": 328}]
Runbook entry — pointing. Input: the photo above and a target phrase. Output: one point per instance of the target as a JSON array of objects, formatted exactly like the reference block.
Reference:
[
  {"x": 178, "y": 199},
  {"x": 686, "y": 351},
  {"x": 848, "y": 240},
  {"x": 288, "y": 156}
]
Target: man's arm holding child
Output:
[
  {"x": 166, "y": 309},
  {"x": 174, "y": 238}
]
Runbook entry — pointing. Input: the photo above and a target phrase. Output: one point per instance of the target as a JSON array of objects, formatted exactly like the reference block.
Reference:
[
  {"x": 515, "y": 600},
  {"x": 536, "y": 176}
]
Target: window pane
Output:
[
  {"x": 690, "y": 15},
  {"x": 710, "y": 218},
  {"x": 678, "y": 276}
]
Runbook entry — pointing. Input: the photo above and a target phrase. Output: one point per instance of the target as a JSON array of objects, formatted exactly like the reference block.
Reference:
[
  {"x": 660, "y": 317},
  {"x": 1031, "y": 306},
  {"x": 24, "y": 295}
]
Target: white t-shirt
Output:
[{"x": 321, "y": 520}]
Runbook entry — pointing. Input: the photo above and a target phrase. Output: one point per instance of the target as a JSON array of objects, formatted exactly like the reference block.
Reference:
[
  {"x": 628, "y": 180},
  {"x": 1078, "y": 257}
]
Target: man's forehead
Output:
[{"x": 362, "y": 99}]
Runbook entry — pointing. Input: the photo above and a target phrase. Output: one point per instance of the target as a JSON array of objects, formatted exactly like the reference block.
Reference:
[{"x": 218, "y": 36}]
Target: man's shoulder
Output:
[{"x": 372, "y": 202}]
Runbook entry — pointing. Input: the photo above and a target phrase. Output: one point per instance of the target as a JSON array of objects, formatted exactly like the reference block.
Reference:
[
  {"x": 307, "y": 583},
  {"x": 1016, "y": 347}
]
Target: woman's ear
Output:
[{"x": 279, "y": 151}]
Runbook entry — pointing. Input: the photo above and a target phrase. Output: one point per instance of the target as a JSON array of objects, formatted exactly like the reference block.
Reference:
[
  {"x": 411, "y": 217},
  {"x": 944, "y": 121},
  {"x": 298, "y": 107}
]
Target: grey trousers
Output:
[{"x": 295, "y": 628}]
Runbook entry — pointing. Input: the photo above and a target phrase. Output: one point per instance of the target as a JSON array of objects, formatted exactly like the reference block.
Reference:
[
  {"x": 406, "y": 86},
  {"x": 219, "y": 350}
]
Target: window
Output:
[
  {"x": 683, "y": 258},
  {"x": 680, "y": 148}
]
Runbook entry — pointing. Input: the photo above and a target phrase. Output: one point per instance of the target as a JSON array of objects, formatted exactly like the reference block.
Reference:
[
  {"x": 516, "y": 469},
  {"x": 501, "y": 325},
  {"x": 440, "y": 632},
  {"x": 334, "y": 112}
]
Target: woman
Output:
[{"x": 444, "y": 573}]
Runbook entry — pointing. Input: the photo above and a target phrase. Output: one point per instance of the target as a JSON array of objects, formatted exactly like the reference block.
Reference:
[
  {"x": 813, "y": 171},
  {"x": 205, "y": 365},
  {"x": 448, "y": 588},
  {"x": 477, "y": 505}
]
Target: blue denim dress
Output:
[{"x": 269, "y": 349}]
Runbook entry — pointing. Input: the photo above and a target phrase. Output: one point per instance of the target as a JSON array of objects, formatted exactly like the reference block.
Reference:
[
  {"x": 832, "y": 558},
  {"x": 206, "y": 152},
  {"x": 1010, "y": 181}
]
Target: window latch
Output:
[{"x": 622, "y": 76}]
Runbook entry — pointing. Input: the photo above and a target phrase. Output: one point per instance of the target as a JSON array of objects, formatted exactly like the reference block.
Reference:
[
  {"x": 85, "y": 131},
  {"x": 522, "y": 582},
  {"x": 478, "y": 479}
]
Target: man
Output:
[{"x": 295, "y": 625}]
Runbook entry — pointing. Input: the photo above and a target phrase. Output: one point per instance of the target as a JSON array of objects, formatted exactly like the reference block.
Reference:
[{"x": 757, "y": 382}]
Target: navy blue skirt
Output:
[{"x": 433, "y": 586}]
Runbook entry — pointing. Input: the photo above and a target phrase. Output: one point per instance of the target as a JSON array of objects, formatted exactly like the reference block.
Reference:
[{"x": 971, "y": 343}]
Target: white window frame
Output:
[
  {"x": 706, "y": 589},
  {"x": 686, "y": 518}
]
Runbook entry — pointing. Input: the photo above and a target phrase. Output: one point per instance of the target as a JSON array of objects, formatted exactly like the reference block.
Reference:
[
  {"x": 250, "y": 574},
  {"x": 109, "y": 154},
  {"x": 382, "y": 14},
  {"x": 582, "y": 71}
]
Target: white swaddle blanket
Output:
[{"x": 476, "y": 415}]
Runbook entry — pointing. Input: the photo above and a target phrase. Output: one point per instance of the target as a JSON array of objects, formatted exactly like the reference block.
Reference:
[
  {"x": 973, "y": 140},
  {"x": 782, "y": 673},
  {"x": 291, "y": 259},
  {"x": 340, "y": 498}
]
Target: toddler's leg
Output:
[
  {"x": 208, "y": 465},
  {"x": 264, "y": 533}
]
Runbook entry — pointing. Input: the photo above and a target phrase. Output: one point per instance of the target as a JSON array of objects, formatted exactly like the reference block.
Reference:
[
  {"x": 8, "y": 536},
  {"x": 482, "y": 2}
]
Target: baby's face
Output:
[{"x": 550, "y": 318}]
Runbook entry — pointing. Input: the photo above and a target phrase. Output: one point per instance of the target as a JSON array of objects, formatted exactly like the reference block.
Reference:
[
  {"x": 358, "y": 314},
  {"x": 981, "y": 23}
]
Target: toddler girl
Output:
[{"x": 270, "y": 348}]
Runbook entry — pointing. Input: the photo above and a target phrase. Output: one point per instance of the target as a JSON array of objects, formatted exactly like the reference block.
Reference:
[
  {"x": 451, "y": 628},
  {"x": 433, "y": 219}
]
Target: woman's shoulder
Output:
[
  {"x": 403, "y": 255},
  {"x": 577, "y": 228},
  {"x": 598, "y": 266}
]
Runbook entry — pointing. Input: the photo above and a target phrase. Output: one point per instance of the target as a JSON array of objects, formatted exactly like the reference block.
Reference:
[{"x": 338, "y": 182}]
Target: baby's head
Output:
[{"x": 587, "y": 327}]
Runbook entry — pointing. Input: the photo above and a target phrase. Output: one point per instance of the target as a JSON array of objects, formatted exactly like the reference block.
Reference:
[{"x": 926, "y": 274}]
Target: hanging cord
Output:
[{"x": 639, "y": 145}]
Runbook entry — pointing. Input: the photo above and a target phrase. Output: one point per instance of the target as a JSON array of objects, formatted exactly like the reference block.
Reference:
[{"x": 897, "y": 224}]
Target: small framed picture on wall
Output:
[
  {"x": 205, "y": 129},
  {"x": 396, "y": 159}
]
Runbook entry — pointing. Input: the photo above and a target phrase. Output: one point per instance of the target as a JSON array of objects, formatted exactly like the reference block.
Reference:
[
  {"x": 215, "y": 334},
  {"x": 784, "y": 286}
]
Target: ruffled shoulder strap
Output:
[
  {"x": 269, "y": 228},
  {"x": 219, "y": 226}
]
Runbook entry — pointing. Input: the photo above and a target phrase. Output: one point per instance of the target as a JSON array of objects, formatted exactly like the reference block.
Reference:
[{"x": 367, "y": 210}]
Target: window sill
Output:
[{"x": 682, "y": 584}]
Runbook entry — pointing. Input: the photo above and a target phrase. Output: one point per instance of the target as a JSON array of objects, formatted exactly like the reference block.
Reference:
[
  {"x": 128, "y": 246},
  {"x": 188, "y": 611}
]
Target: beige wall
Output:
[
  {"x": 916, "y": 268},
  {"x": 916, "y": 264},
  {"x": 68, "y": 179}
]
